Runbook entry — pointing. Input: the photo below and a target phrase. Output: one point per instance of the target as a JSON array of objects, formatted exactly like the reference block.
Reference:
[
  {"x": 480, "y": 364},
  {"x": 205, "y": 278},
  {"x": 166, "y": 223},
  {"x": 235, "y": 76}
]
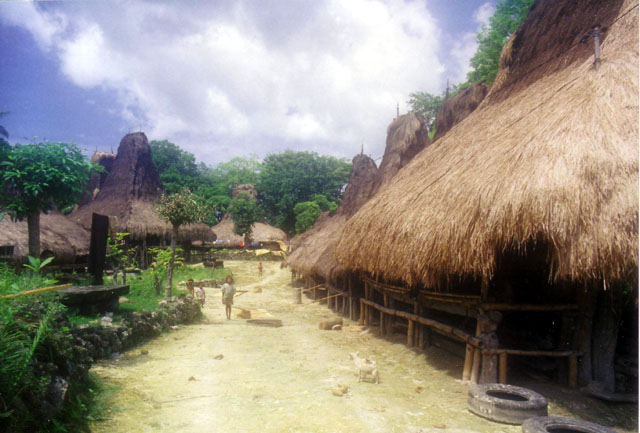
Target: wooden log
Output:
[
  {"x": 503, "y": 368},
  {"x": 573, "y": 371},
  {"x": 475, "y": 369},
  {"x": 468, "y": 363}
]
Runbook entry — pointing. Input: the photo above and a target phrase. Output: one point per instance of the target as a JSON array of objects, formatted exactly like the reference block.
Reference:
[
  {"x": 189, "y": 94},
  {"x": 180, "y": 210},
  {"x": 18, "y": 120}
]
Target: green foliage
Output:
[
  {"x": 12, "y": 283},
  {"x": 306, "y": 214},
  {"x": 427, "y": 105},
  {"x": 177, "y": 168},
  {"x": 244, "y": 212},
  {"x": 39, "y": 177},
  {"x": 506, "y": 19},
  {"x": 37, "y": 265},
  {"x": 119, "y": 255},
  {"x": 180, "y": 208},
  {"x": 292, "y": 177}
]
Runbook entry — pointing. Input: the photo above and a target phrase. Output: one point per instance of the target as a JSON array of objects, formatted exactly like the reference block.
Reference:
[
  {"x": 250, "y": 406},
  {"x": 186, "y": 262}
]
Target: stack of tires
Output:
[{"x": 516, "y": 405}]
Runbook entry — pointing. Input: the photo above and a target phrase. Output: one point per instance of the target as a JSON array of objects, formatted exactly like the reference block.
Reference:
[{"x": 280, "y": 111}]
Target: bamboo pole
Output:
[
  {"x": 551, "y": 353},
  {"x": 503, "y": 368},
  {"x": 34, "y": 291},
  {"x": 323, "y": 299}
]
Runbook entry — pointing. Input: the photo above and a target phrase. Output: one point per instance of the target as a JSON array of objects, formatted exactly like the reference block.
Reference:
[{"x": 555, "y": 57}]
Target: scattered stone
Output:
[
  {"x": 257, "y": 290},
  {"x": 244, "y": 314},
  {"x": 218, "y": 356},
  {"x": 144, "y": 352},
  {"x": 330, "y": 323},
  {"x": 443, "y": 426},
  {"x": 191, "y": 378},
  {"x": 106, "y": 321},
  {"x": 419, "y": 388},
  {"x": 339, "y": 390},
  {"x": 174, "y": 327},
  {"x": 123, "y": 300},
  {"x": 336, "y": 327}
]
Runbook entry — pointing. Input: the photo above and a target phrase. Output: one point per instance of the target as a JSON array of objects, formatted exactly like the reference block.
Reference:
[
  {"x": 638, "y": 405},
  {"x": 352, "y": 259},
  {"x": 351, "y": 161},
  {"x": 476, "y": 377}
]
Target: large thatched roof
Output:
[
  {"x": 97, "y": 180},
  {"x": 62, "y": 237},
  {"x": 550, "y": 157},
  {"x": 130, "y": 193}
]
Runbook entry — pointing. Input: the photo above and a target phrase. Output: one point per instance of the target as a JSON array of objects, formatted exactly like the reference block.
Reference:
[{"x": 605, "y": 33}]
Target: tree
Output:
[
  {"x": 178, "y": 209},
  {"x": 506, "y": 19},
  {"x": 292, "y": 177},
  {"x": 307, "y": 212},
  {"x": 427, "y": 105},
  {"x": 40, "y": 177},
  {"x": 177, "y": 168},
  {"x": 244, "y": 212}
]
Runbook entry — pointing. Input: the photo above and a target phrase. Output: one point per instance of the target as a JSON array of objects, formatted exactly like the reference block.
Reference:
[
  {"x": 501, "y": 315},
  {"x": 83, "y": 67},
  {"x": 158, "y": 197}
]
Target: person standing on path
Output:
[
  {"x": 227, "y": 295},
  {"x": 260, "y": 269}
]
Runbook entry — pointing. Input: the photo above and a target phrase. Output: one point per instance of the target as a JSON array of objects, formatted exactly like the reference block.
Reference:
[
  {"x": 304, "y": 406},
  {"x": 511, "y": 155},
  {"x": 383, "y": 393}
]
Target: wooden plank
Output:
[
  {"x": 468, "y": 363},
  {"x": 475, "y": 369}
]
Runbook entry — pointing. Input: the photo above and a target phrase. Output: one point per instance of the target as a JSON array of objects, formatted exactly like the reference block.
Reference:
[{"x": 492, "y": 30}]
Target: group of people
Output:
[{"x": 228, "y": 292}]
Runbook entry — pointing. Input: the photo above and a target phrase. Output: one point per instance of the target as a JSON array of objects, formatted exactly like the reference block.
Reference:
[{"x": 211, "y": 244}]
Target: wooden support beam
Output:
[
  {"x": 475, "y": 369},
  {"x": 410, "y": 333},
  {"x": 361, "y": 319},
  {"x": 503, "y": 368},
  {"x": 528, "y": 307}
]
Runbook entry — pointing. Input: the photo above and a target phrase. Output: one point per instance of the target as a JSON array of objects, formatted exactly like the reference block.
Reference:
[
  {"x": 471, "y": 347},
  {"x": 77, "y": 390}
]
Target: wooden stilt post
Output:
[
  {"x": 416, "y": 311},
  {"x": 573, "y": 371},
  {"x": 410, "y": 334},
  {"x": 468, "y": 363},
  {"x": 299, "y": 296},
  {"x": 503, "y": 368},
  {"x": 475, "y": 369},
  {"x": 361, "y": 319},
  {"x": 351, "y": 300}
]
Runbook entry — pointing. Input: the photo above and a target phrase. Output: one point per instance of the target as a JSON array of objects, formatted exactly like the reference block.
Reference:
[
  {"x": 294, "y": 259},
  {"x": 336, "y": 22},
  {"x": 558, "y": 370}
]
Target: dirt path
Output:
[{"x": 280, "y": 379}]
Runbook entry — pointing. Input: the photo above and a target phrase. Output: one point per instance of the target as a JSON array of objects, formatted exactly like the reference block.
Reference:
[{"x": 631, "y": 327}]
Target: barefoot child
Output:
[
  {"x": 260, "y": 269},
  {"x": 200, "y": 295},
  {"x": 227, "y": 295}
]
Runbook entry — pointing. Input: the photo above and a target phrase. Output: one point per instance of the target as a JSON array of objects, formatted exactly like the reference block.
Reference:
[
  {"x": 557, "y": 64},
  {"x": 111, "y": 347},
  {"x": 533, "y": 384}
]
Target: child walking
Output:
[
  {"x": 228, "y": 291},
  {"x": 200, "y": 295}
]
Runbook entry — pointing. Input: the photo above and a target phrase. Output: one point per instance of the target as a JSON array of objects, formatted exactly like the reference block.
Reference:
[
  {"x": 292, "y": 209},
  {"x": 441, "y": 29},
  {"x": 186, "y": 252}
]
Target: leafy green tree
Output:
[
  {"x": 177, "y": 168},
  {"x": 178, "y": 209},
  {"x": 307, "y": 212},
  {"x": 427, "y": 105},
  {"x": 506, "y": 19},
  {"x": 324, "y": 203},
  {"x": 40, "y": 177},
  {"x": 244, "y": 211},
  {"x": 160, "y": 265},
  {"x": 292, "y": 177}
]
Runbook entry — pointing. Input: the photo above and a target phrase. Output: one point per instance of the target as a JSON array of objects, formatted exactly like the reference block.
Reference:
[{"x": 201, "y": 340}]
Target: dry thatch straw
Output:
[
  {"x": 95, "y": 182},
  {"x": 406, "y": 136},
  {"x": 551, "y": 156},
  {"x": 65, "y": 239},
  {"x": 455, "y": 109},
  {"x": 130, "y": 193}
]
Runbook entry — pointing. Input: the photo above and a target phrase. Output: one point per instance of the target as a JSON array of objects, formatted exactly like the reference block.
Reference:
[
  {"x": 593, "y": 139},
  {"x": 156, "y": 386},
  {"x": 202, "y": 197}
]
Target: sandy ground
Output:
[{"x": 229, "y": 376}]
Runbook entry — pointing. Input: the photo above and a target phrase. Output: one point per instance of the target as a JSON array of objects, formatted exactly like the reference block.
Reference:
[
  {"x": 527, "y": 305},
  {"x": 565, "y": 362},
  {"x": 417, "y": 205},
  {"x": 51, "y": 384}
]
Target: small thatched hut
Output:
[
  {"x": 533, "y": 198},
  {"x": 261, "y": 232},
  {"x": 130, "y": 193},
  {"x": 63, "y": 239}
]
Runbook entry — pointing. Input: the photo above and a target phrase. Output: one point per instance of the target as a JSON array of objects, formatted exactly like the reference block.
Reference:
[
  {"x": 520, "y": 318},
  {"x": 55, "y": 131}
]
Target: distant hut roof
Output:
[
  {"x": 95, "y": 182},
  {"x": 131, "y": 192},
  {"x": 261, "y": 232},
  {"x": 551, "y": 156},
  {"x": 458, "y": 107},
  {"x": 65, "y": 239}
]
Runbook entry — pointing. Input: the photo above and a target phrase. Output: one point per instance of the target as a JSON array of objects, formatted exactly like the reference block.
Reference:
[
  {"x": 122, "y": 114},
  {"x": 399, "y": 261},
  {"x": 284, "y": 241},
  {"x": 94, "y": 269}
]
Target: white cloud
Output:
[
  {"x": 484, "y": 13},
  {"x": 226, "y": 79}
]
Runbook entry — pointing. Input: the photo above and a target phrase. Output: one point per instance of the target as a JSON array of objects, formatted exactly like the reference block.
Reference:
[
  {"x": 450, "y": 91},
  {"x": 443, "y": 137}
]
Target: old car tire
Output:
[
  {"x": 506, "y": 403},
  {"x": 551, "y": 424}
]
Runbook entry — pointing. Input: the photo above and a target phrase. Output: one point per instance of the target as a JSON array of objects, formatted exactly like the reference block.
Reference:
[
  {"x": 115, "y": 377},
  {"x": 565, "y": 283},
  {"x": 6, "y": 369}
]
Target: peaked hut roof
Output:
[
  {"x": 456, "y": 108},
  {"x": 65, "y": 239},
  {"x": 130, "y": 192},
  {"x": 97, "y": 180},
  {"x": 550, "y": 156},
  {"x": 261, "y": 232}
]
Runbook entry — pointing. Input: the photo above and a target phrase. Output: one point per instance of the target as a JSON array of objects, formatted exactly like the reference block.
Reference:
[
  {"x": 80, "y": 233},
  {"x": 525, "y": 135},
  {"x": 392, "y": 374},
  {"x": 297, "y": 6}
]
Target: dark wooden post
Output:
[{"x": 98, "y": 247}]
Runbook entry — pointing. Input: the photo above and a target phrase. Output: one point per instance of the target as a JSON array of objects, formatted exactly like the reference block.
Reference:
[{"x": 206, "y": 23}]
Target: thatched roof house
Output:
[
  {"x": 550, "y": 158},
  {"x": 261, "y": 232},
  {"x": 58, "y": 237},
  {"x": 97, "y": 179},
  {"x": 130, "y": 193}
]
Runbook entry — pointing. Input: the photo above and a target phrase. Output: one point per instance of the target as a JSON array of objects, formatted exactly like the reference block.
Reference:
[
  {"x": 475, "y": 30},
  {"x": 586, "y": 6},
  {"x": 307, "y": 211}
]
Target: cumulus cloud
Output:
[{"x": 235, "y": 78}]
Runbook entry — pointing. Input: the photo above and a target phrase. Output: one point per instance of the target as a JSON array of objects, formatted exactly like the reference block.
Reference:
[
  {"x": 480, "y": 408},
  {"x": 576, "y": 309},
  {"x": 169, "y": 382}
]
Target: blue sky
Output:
[{"x": 227, "y": 78}]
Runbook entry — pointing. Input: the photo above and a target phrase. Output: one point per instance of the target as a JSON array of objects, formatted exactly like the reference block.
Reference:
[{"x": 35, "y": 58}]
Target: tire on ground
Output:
[
  {"x": 550, "y": 424},
  {"x": 506, "y": 403}
]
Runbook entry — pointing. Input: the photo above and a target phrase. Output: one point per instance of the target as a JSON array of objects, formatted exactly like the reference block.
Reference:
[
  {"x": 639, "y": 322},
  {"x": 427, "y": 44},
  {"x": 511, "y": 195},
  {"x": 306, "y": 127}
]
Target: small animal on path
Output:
[{"x": 366, "y": 367}]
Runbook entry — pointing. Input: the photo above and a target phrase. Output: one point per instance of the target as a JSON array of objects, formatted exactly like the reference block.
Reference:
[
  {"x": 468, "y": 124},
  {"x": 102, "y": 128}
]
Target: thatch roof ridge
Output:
[
  {"x": 261, "y": 232},
  {"x": 458, "y": 107},
  {"x": 57, "y": 234},
  {"x": 550, "y": 156}
]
